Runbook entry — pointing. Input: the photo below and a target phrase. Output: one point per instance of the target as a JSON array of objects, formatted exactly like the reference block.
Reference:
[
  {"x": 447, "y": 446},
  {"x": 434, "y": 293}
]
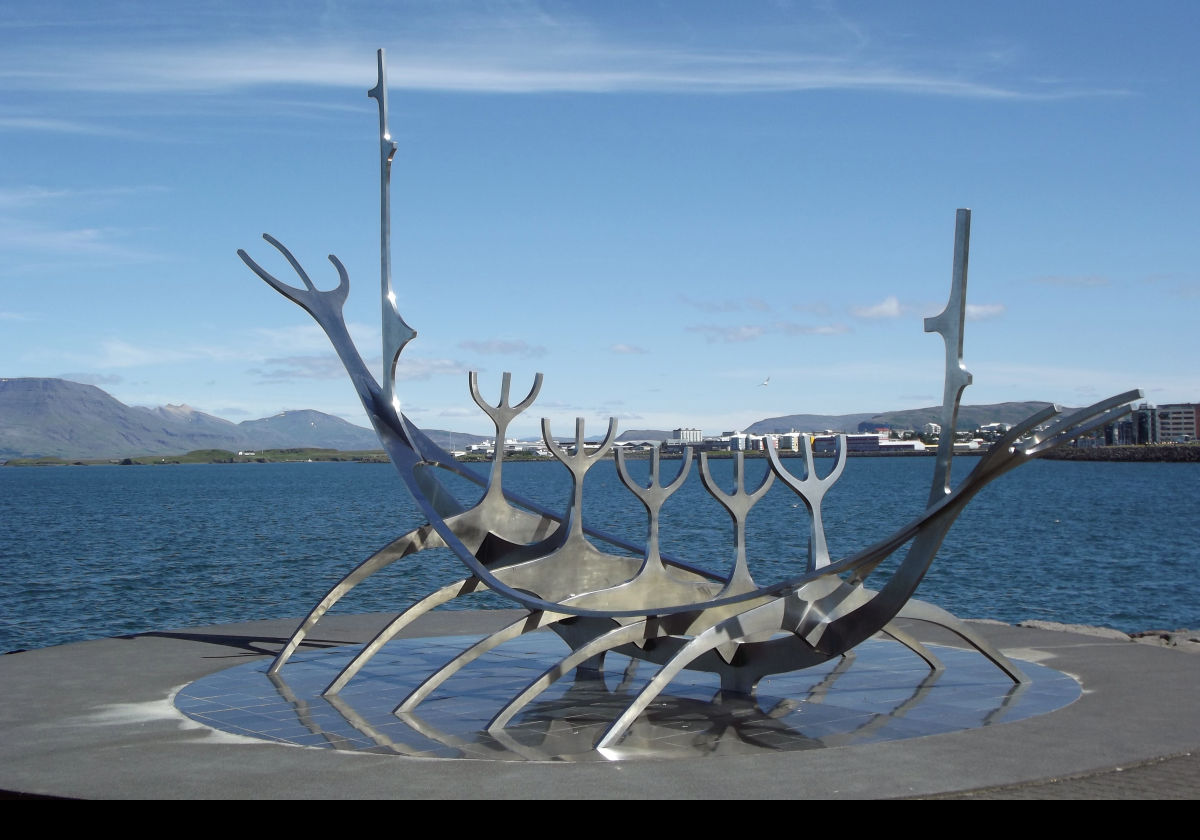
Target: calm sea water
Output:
[{"x": 89, "y": 552}]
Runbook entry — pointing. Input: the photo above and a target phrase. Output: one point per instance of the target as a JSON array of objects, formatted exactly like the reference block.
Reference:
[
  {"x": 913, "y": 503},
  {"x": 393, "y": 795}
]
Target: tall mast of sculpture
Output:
[
  {"x": 949, "y": 322},
  {"x": 396, "y": 333}
]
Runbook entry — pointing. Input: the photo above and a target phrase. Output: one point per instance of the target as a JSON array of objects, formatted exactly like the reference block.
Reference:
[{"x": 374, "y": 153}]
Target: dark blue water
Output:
[{"x": 88, "y": 552}]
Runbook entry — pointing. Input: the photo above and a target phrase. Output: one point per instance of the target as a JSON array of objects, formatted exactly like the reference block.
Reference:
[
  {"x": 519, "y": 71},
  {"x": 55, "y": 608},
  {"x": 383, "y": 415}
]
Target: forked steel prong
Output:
[
  {"x": 578, "y": 463},
  {"x": 811, "y": 489},
  {"x": 738, "y": 503},
  {"x": 501, "y": 415},
  {"x": 653, "y": 496},
  {"x": 310, "y": 295}
]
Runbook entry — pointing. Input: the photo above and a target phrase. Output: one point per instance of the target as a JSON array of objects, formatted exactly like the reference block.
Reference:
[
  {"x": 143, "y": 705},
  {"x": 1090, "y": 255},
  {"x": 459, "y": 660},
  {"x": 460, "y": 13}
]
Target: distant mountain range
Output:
[{"x": 57, "y": 418}]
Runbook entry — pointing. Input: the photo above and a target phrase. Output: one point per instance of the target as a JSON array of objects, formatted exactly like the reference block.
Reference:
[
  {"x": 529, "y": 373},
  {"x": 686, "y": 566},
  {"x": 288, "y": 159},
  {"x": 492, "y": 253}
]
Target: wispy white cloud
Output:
[
  {"x": 1081, "y": 281},
  {"x": 33, "y": 195},
  {"x": 889, "y": 307},
  {"x": 118, "y": 353},
  {"x": 329, "y": 367},
  {"x": 297, "y": 338},
  {"x": 512, "y": 49},
  {"x": 93, "y": 378},
  {"x": 752, "y": 304},
  {"x": 789, "y": 328},
  {"x": 726, "y": 305},
  {"x": 55, "y": 126},
  {"x": 504, "y": 347},
  {"x": 15, "y": 316},
  {"x": 57, "y": 245},
  {"x": 291, "y": 368},
  {"x": 984, "y": 311},
  {"x": 22, "y": 196},
  {"x": 627, "y": 349},
  {"x": 713, "y": 334},
  {"x": 424, "y": 368}
]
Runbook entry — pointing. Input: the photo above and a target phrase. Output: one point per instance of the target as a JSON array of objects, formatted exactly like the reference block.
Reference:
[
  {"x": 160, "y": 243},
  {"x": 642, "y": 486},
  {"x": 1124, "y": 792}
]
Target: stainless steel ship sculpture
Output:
[{"x": 654, "y": 608}]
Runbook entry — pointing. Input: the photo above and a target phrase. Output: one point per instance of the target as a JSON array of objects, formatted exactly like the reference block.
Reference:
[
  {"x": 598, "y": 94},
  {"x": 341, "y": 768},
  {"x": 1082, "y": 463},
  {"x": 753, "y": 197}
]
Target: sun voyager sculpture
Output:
[{"x": 630, "y": 598}]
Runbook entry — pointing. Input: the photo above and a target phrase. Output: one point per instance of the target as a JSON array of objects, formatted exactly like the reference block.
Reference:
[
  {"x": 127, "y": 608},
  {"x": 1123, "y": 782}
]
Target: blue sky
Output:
[{"x": 658, "y": 205}]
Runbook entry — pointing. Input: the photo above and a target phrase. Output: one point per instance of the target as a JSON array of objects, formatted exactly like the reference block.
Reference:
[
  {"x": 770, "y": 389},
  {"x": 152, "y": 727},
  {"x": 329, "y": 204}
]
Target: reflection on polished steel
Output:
[
  {"x": 603, "y": 594},
  {"x": 876, "y": 692}
]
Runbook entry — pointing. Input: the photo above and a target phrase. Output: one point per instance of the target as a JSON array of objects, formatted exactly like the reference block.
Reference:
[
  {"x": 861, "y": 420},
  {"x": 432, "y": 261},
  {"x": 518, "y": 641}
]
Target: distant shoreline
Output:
[
  {"x": 1146, "y": 453},
  {"x": 1153, "y": 453}
]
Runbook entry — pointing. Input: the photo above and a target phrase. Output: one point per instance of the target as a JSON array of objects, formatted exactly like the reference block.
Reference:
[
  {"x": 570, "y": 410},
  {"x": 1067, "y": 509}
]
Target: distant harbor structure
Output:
[
  {"x": 823, "y": 443},
  {"x": 1165, "y": 424}
]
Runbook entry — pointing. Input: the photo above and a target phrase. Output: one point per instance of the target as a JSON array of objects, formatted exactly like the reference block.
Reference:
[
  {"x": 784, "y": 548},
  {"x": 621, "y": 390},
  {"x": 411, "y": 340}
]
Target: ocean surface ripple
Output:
[{"x": 98, "y": 551}]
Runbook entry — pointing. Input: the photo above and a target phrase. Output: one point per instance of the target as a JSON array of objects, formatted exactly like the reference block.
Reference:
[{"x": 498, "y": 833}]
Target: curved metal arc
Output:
[
  {"x": 932, "y": 614},
  {"x": 765, "y": 618},
  {"x": 625, "y": 634},
  {"x": 853, "y": 627},
  {"x": 526, "y": 624},
  {"x": 1001, "y": 458},
  {"x": 909, "y": 641},
  {"x": 398, "y": 548},
  {"x": 1084, "y": 420},
  {"x": 447, "y": 593}
]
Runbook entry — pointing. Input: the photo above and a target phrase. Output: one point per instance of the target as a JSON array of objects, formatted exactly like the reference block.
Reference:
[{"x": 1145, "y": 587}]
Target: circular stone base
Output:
[{"x": 882, "y": 692}]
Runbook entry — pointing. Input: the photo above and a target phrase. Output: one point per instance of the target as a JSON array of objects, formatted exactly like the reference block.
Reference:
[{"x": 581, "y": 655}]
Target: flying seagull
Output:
[{"x": 766, "y": 381}]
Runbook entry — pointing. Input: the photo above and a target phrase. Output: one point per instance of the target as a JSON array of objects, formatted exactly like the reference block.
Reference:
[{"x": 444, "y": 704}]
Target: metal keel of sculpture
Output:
[{"x": 601, "y": 593}]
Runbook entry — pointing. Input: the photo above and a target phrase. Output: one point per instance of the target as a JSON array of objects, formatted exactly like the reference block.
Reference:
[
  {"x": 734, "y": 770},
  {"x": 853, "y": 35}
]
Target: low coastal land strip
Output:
[
  {"x": 1158, "y": 453},
  {"x": 1168, "y": 452}
]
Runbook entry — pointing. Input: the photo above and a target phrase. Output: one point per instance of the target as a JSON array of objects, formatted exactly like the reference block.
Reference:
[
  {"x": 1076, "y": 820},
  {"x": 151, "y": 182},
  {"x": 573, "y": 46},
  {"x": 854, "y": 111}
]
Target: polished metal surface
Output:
[
  {"x": 604, "y": 595},
  {"x": 874, "y": 694}
]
